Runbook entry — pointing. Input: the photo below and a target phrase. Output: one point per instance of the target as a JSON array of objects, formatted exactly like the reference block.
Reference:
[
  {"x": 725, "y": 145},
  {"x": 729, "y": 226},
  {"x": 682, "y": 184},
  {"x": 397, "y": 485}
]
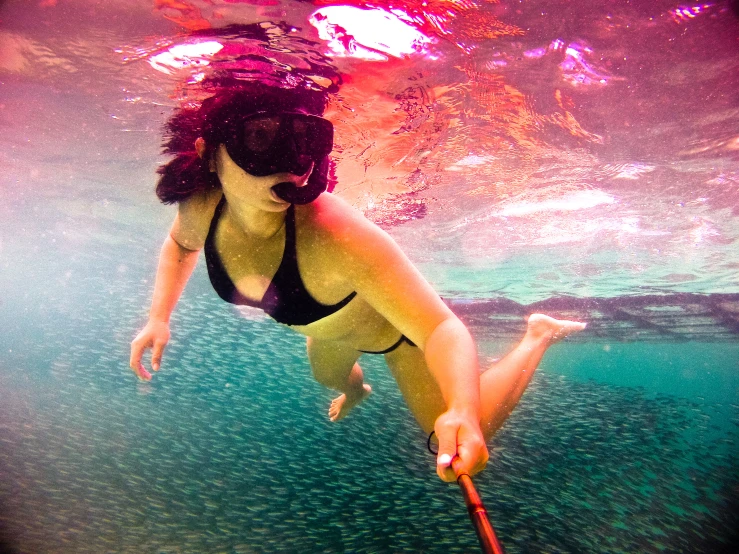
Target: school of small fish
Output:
[{"x": 229, "y": 449}]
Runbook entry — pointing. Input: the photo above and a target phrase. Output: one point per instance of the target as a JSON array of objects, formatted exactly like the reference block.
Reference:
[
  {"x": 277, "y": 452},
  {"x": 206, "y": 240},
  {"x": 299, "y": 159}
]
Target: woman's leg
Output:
[
  {"x": 335, "y": 366},
  {"x": 501, "y": 386}
]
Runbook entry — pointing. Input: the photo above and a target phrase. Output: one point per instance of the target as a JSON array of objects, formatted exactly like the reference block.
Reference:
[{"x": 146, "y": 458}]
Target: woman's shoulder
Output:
[
  {"x": 199, "y": 202},
  {"x": 333, "y": 217},
  {"x": 194, "y": 215},
  {"x": 337, "y": 227}
]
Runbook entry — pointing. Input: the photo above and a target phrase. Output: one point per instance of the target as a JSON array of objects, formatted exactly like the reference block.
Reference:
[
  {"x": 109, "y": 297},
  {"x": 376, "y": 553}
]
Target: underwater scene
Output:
[{"x": 579, "y": 159}]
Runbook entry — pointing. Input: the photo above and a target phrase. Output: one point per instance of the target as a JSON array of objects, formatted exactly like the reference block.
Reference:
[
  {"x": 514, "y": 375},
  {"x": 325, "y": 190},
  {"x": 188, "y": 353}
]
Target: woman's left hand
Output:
[{"x": 459, "y": 434}]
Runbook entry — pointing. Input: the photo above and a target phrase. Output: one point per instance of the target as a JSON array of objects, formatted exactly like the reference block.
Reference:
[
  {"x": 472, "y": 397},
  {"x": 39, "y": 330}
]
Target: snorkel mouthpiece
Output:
[
  {"x": 317, "y": 183},
  {"x": 290, "y": 193}
]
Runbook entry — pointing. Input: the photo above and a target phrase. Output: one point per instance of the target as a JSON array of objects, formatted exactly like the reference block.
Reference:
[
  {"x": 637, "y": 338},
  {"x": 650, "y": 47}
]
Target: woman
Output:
[{"x": 250, "y": 196}]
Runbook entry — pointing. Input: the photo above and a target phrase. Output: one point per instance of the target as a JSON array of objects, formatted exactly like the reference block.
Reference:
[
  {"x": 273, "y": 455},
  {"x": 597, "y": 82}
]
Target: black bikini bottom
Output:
[{"x": 401, "y": 340}]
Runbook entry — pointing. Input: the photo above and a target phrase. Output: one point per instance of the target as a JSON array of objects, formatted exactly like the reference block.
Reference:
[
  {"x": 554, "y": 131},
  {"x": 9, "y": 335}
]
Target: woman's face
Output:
[{"x": 240, "y": 186}]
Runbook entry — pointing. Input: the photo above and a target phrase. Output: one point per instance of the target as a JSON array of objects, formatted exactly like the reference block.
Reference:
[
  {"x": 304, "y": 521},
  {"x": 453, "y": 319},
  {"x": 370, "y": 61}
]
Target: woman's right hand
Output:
[{"x": 155, "y": 336}]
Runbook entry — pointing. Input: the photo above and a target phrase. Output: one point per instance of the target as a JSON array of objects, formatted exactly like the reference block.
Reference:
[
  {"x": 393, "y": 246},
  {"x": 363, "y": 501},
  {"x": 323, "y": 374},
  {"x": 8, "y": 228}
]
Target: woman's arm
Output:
[
  {"x": 176, "y": 264},
  {"x": 177, "y": 260},
  {"x": 385, "y": 277},
  {"x": 451, "y": 357}
]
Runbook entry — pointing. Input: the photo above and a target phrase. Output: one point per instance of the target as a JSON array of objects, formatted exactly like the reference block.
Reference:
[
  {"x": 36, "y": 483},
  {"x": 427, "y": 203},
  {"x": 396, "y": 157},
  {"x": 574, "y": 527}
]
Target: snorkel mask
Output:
[{"x": 269, "y": 142}]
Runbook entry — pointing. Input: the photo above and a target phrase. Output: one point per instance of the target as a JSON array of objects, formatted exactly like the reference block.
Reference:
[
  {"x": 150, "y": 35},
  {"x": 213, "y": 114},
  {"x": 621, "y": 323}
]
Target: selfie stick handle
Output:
[{"x": 478, "y": 514}]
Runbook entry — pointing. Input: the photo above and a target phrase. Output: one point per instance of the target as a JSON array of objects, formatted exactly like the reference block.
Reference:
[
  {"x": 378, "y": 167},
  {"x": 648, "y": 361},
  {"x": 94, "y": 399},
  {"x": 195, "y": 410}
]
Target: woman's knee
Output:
[{"x": 330, "y": 363}]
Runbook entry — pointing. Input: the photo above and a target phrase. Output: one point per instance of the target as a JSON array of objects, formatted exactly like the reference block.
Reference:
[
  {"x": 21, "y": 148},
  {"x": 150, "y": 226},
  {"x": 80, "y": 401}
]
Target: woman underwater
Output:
[{"x": 251, "y": 166}]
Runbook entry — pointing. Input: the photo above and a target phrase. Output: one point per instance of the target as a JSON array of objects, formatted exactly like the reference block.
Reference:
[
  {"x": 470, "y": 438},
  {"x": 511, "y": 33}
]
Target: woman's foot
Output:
[
  {"x": 542, "y": 326},
  {"x": 342, "y": 405}
]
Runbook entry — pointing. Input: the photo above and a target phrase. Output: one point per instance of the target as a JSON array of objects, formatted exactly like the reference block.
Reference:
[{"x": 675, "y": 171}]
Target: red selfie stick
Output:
[{"x": 478, "y": 514}]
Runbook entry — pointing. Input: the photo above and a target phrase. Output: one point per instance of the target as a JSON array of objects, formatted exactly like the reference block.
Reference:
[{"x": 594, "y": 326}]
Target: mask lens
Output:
[
  {"x": 260, "y": 133},
  {"x": 300, "y": 135},
  {"x": 266, "y": 144},
  {"x": 318, "y": 134}
]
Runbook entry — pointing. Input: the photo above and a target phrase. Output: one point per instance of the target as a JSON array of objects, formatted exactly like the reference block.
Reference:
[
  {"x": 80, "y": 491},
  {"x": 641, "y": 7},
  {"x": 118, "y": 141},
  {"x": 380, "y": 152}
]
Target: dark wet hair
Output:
[{"x": 187, "y": 174}]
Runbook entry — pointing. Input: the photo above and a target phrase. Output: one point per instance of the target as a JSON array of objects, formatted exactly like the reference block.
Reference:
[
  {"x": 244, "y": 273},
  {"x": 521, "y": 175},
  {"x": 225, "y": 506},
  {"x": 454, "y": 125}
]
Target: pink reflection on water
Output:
[
  {"x": 185, "y": 55},
  {"x": 580, "y": 200},
  {"x": 368, "y": 34},
  {"x": 685, "y": 13},
  {"x": 577, "y": 70}
]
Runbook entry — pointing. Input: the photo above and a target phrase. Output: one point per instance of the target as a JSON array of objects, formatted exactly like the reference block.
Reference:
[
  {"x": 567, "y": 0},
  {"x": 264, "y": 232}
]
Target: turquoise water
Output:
[
  {"x": 228, "y": 449},
  {"x": 591, "y": 156}
]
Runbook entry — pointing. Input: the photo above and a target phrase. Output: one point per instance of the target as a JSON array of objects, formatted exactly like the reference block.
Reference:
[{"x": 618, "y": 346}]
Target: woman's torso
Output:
[{"x": 251, "y": 263}]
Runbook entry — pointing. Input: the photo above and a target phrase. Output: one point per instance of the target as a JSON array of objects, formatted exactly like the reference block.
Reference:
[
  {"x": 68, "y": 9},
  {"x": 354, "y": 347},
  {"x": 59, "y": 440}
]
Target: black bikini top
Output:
[{"x": 286, "y": 300}]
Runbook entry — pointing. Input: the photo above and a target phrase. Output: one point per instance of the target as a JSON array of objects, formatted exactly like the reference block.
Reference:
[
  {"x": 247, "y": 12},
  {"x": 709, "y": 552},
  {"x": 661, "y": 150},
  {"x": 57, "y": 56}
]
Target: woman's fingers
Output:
[
  {"x": 155, "y": 336},
  {"x": 142, "y": 374},
  {"x": 138, "y": 347},
  {"x": 473, "y": 457},
  {"x": 462, "y": 448},
  {"x": 447, "y": 452},
  {"x": 447, "y": 431},
  {"x": 156, "y": 354},
  {"x": 137, "y": 352}
]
